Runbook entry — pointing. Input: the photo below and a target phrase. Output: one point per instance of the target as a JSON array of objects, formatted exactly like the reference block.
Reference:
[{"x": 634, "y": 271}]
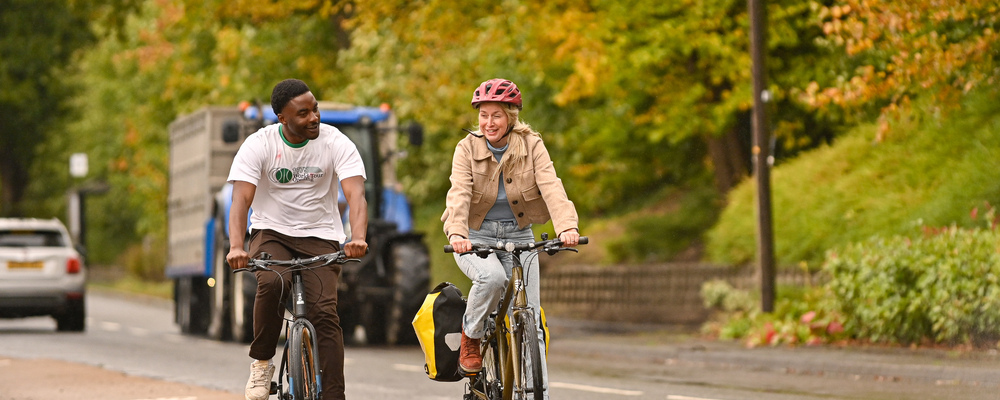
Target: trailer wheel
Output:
[
  {"x": 244, "y": 292},
  {"x": 410, "y": 276},
  {"x": 221, "y": 291},
  {"x": 190, "y": 308}
]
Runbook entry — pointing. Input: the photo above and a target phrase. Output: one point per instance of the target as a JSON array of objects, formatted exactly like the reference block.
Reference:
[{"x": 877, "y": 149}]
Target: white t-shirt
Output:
[{"x": 297, "y": 185}]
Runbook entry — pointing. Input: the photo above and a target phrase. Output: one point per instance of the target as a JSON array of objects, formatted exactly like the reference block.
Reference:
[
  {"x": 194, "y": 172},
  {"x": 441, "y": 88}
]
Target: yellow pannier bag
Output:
[
  {"x": 438, "y": 325},
  {"x": 545, "y": 329}
]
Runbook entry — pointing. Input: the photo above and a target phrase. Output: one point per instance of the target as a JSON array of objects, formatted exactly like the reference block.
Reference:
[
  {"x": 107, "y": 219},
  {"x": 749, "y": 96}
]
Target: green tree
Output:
[{"x": 37, "y": 41}]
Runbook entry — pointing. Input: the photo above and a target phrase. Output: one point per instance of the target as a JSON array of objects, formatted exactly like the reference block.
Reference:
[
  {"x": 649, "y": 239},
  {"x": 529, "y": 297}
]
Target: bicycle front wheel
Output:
[
  {"x": 303, "y": 374},
  {"x": 488, "y": 383},
  {"x": 530, "y": 368}
]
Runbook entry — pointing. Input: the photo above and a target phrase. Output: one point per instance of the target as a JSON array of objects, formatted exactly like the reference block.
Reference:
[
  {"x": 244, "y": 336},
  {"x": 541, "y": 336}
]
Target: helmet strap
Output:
[
  {"x": 509, "y": 130},
  {"x": 472, "y": 133}
]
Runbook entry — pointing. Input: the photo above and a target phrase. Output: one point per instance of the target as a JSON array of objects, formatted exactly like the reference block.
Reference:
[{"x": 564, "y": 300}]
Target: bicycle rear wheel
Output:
[
  {"x": 303, "y": 374},
  {"x": 530, "y": 367}
]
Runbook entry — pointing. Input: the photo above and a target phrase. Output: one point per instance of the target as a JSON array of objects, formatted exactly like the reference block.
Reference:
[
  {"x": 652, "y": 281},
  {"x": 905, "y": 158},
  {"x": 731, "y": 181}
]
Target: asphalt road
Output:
[
  {"x": 132, "y": 350},
  {"x": 130, "y": 343}
]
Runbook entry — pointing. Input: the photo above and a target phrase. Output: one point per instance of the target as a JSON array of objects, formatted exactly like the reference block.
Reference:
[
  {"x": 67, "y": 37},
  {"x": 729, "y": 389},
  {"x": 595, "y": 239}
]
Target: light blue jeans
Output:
[{"x": 489, "y": 280}]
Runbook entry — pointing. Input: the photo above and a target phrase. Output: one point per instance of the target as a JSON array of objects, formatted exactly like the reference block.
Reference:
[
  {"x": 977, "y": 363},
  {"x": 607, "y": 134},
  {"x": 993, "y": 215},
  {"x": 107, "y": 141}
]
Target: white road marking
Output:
[
  {"x": 595, "y": 389},
  {"x": 172, "y": 398},
  {"x": 679, "y": 397},
  {"x": 408, "y": 368},
  {"x": 138, "y": 331},
  {"x": 173, "y": 338},
  {"x": 110, "y": 326}
]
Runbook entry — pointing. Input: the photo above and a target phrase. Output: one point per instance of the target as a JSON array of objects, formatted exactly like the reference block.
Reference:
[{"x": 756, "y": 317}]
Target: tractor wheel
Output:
[{"x": 410, "y": 279}]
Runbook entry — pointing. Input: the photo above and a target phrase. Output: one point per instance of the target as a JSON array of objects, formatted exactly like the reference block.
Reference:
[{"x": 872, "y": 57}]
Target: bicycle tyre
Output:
[
  {"x": 531, "y": 358},
  {"x": 489, "y": 380},
  {"x": 303, "y": 375}
]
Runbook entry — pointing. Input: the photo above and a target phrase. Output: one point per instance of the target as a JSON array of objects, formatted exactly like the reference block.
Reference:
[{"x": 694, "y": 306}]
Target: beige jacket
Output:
[{"x": 534, "y": 191}]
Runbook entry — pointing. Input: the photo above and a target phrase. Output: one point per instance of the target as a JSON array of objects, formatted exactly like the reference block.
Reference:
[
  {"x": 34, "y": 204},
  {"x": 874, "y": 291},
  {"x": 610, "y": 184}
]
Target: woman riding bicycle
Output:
[{"x": 502, "y": 182}]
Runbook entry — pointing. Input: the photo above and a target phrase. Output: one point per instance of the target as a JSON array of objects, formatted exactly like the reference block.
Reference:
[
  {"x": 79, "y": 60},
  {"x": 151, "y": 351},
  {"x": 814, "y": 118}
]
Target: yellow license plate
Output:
[{"x": 24, "y": 265}]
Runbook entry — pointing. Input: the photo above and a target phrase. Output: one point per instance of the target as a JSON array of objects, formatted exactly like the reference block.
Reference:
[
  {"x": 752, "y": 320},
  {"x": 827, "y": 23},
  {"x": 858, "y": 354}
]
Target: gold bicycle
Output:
[{"x": 512, "y": 361}]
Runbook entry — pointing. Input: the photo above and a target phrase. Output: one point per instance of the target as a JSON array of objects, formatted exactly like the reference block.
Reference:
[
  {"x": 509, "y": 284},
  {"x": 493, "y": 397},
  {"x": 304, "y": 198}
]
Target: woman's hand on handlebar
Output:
[
  {"x": 460, "y": 244},
  {"x": 570, "y": 237},
  {"x": 237, "y": 258}
]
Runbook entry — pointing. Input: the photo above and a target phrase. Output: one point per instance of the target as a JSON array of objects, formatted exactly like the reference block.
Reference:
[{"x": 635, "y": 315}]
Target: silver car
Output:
[{"x": 41, "y": 273}]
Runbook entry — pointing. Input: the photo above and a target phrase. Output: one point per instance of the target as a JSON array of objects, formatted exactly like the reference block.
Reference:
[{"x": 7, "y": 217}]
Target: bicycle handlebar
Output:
[
  {"x": 550, "y": 246},
  {"x": 258, "y": 264}
]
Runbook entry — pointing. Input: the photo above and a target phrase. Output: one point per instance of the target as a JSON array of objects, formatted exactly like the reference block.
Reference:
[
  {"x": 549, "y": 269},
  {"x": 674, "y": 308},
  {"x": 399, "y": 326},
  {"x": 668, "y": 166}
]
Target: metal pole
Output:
[
  {"x": 761, "y": 156},
  {"x": 73, "y": 214}
]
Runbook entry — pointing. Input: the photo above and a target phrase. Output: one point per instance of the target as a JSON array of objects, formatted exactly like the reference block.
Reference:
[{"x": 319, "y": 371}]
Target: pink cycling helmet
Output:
[{"x": 499, "y": 90}]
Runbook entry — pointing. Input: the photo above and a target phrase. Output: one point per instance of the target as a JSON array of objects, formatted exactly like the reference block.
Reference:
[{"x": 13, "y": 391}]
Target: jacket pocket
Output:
[{"x": 531, "y": 194}]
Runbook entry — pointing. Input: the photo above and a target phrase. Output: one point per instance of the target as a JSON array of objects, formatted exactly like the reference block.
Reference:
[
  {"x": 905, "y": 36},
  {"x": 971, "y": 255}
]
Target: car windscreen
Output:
[{"x": 31, "y": 238}]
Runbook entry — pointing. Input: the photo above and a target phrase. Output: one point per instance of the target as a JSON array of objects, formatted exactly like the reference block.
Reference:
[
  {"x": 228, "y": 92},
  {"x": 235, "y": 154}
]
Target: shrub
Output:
[
  {"x": 942, "y": 286},
  {"x": 801, "y": 316},
  {"x": 145, "y": 261}
]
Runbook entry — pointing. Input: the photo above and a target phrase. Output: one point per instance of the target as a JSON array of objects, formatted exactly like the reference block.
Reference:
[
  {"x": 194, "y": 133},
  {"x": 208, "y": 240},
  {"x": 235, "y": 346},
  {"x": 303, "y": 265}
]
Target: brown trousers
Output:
[{"x": 321, "y": 296}]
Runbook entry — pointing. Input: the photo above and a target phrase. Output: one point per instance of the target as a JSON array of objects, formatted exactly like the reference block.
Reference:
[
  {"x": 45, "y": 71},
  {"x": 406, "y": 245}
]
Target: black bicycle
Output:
[
  {"x": 511, "y": 357},
  {"x": 300, "y": 358}
]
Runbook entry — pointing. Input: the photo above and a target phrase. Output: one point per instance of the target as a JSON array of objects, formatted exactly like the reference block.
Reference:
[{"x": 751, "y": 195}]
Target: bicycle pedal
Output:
[{"x": 274, "y": 387}]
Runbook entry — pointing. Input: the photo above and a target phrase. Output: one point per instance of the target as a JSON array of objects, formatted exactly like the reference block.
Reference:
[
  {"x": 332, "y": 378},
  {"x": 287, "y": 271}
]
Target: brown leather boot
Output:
[{"x": 469, "y": 358}]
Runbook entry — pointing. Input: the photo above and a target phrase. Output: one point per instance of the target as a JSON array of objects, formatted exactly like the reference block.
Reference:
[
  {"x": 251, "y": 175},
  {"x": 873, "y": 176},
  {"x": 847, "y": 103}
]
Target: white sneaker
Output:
[{"x": 259, "y": 385}]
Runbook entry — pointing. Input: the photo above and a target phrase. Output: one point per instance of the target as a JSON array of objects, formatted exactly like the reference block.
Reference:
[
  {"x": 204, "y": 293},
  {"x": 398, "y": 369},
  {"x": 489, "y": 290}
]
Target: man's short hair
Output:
[{"x": 284, "y": 92}]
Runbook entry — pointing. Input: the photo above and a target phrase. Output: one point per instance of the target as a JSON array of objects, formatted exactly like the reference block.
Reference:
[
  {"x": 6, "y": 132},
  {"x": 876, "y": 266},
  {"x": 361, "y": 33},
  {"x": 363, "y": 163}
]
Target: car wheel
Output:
[{"x": 73, "y": 319}]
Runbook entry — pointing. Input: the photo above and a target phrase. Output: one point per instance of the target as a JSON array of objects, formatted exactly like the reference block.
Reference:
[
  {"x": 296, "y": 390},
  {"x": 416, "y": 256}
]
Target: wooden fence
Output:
[{"x": 657, "y": 293}]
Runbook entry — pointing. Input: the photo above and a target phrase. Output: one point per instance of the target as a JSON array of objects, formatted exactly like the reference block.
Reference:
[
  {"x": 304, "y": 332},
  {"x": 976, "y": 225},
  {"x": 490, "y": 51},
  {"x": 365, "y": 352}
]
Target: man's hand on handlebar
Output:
[
  {"x": 237, "y": 258},
  {"x": 356, "y": 249}
]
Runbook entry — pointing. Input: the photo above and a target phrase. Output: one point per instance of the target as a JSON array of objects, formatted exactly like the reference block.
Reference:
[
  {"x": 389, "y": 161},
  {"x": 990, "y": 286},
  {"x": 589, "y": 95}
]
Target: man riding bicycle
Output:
[
  {"x": 502, "y": 182},
  {"x": 290, "y": 173}
]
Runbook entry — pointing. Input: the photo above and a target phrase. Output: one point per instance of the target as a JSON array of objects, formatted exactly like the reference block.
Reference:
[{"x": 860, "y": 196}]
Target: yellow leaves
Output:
[
  {"x": 230, "y": 46},
  {"x": 588, "y": 67},
  {"x": 575, "y": 35},
  {"x": 840, "y": 11},
  {"x": 267, "y": 10},
  {"x": 258, "y": 11},
  {"x": 918, "y": 46},
  {"x": 171, "y": 12}
]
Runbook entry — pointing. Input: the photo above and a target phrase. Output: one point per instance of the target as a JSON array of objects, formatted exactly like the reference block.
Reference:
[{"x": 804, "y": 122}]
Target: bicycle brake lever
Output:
[
  {"x": 482, "y": 253},
  {"x": 553, "y": 250}
]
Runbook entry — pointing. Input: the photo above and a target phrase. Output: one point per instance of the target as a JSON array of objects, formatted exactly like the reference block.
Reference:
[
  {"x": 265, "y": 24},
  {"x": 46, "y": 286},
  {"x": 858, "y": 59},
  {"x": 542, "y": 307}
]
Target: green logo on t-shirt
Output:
[
  {"x": 296, "y": 174},
  {"x": 283, "y": 175}
]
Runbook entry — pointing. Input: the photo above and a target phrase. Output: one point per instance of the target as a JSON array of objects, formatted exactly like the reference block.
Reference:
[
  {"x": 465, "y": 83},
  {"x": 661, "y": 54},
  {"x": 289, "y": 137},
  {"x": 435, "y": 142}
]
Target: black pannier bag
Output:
[{"x": 438, "y": 325}]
